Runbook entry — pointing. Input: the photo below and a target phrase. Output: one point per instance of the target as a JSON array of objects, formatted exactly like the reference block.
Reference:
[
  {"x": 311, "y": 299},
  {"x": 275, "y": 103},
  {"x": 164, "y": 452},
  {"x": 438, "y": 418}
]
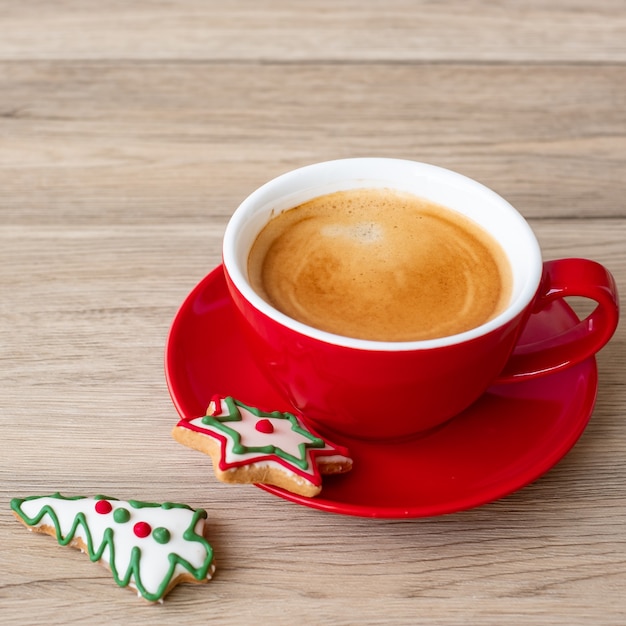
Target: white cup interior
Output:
[{"x": 442, "y": 186}]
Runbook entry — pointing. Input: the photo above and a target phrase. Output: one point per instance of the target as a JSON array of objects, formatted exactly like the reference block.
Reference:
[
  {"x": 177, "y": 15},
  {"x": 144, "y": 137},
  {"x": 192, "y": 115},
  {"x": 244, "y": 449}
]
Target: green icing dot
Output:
[
  {"x": 161, "y": 535},
  {"x": 121, "y": 515}
]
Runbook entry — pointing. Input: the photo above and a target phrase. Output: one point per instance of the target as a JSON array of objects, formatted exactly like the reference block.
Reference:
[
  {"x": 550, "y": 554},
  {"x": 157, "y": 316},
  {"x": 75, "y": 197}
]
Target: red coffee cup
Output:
[{"x": 378, "y": 389}]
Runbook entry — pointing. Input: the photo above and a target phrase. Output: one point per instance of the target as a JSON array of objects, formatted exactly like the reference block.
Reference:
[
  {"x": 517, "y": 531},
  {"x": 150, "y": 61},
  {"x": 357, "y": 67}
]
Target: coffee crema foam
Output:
[{"x": 380, "y": 265}]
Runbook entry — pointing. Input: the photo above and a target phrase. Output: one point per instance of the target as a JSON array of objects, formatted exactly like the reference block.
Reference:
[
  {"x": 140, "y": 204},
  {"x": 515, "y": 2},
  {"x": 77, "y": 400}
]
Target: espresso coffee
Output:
[{"x": 381, "y": 265}]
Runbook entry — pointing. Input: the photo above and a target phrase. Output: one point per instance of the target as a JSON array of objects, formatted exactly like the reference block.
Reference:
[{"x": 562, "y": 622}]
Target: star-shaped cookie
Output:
[{"x": 248, "y": 445}]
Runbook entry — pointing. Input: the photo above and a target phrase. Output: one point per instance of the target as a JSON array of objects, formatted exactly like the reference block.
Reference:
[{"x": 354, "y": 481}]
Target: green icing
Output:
[
  {"x": 139, "y": 504},
  {"x": 95, "y": 552},
  {"x": 234, "y": 415},
  {"x": 161, "y": 535},
  {"x": 121, "y": 515},
  {"x": 98, "y": 497}
]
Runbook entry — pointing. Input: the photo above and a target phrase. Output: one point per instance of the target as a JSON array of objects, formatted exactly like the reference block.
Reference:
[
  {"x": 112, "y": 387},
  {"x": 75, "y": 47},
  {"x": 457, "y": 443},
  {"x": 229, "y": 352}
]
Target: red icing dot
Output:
[
  {"x": 103, "y": 507},
  {"x": 142, "y": 529},
  {"x": 264, "y": 426}
]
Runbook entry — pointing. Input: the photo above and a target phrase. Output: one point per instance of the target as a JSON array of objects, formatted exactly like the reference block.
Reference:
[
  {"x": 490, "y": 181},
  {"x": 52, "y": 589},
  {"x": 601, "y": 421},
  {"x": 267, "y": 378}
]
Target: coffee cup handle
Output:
[{"x": 563, "y": 278}]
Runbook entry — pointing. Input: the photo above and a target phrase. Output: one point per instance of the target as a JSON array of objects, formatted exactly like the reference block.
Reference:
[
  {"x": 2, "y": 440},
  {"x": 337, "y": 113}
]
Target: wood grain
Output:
[
  {"x": 129, "y": 132},
  {"x": 195, "y": 139},
  {"x": 318, "y": 30}
]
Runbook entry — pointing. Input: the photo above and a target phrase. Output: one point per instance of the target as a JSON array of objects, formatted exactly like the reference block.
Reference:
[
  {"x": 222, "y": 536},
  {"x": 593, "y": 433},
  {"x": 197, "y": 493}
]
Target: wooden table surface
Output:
[{"x": 130, "y": 131}]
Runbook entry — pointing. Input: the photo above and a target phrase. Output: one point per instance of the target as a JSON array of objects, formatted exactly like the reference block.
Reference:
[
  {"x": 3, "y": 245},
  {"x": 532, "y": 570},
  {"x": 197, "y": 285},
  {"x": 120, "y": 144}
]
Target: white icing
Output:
[{"x": 153, "y": 563}]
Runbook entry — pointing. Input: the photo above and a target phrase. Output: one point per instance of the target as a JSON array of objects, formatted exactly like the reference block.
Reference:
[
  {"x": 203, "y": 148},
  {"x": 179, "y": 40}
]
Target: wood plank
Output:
[
  {"x": 81, "y": 365},
  {"x": 319, "y": 30},
  {"x": 127, "y": 280},
  {"x": 95, "y": 139}
]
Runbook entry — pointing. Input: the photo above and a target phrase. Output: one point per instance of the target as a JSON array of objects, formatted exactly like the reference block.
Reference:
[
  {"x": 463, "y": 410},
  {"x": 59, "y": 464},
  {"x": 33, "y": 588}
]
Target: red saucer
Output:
[{"x": 507, "y": 439}]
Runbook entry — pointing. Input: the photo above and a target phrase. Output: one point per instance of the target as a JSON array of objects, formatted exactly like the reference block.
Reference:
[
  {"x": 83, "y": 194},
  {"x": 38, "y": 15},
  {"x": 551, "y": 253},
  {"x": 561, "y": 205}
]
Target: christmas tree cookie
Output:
[
  {"x": 147, "y": 546},
  {"x": 251, "y": 446}
]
